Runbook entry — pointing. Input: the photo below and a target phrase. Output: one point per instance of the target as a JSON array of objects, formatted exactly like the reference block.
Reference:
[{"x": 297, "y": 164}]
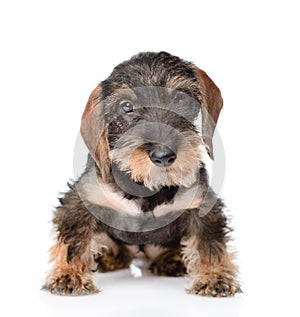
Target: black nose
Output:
[{"x": 162, "y": 156}]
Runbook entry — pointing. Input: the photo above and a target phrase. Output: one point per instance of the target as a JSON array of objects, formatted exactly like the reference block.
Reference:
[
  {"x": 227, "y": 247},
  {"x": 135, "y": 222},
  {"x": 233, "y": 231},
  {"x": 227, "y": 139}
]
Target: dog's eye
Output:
[
  {"x": 127, "y": 106},
  {"x": 179, "y": 97}
]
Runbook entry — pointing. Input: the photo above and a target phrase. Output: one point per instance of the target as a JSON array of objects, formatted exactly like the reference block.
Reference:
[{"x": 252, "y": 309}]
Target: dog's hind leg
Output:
[
  {"x": 169, "y": 263},
  {"x": 109, "y": 255}
]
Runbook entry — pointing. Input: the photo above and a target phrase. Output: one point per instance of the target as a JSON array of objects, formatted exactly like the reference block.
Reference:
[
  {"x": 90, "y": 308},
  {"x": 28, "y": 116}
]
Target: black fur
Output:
[
  {"x": 148, "y": 69},
  {"x": 76, "y": 223},
  {"x": 77, "y": 220}
]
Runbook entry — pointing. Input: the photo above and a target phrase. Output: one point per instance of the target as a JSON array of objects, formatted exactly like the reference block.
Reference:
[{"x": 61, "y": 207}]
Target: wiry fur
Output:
[
  {"x": 124, "y": 201},
  {"x": 133, "y": 158}
]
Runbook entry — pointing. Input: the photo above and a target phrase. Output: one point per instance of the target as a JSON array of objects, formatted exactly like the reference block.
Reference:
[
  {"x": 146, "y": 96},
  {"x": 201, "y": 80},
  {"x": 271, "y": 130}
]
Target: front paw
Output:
[
  {"x": 71, "y": 284},
  {"x": 214, "y": 285}
]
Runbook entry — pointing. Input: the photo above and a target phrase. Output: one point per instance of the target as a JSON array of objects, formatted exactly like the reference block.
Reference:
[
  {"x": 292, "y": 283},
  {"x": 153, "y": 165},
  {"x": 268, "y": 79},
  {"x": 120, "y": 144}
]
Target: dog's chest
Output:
[
  {"x": 127, "y": 220},
  {"x": 104, "y": 195}
]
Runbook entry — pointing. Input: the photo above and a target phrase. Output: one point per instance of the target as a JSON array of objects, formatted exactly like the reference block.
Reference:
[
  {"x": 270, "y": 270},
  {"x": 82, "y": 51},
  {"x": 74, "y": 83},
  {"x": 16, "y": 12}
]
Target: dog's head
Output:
[{"x": 142, "y": 119}]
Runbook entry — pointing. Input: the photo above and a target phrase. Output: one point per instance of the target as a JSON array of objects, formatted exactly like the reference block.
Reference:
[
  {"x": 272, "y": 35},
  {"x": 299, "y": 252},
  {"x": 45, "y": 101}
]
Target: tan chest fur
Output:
[{"x": 103, "y": 195}]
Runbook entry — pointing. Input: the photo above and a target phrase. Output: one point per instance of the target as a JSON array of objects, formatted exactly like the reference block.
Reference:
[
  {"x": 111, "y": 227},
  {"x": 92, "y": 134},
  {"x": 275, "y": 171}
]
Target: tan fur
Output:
[
  {"x": 188, "y": 199},
  {"x": 212, "y": 103},
  {"x": 58, "y": 254},
  {"x": 101, "y": 254},
  {"x": 95, "y": 134},
  {"x": 139, "y": 164},
  {"x": 208, "y": 263},
  {"x": 214, "y": 275},
  {"x": 153, "y": 251},
  {"x": 102, "y": 242},
  {"x": 70, "y": 278},
  {"x": 93, "y": 101},
  {"x": 107, "y": 254},
  {"x": 182, "y": 172},
  {"x": 103, "y": 194}
]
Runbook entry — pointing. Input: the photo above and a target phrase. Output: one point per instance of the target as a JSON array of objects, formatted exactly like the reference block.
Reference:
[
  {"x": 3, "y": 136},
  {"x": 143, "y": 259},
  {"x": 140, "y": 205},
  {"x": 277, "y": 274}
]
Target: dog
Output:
[{"x": 145, "y": 189}]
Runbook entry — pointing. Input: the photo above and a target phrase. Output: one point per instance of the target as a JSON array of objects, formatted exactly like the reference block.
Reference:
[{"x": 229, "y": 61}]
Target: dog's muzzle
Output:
[{"x": 161, "y": 155}]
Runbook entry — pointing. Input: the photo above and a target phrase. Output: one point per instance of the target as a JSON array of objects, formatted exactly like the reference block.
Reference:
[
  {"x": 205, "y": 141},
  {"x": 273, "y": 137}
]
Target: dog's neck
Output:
[
  {"x": 163, "y": 196},
  {"x": 148, "y": 199}
]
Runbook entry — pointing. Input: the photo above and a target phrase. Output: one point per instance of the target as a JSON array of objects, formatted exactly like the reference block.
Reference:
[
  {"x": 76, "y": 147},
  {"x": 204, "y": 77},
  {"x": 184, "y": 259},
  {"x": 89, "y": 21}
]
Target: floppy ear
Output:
[
  {"x": 212, "y": 104},
  {"x": 93, "y": 131}
]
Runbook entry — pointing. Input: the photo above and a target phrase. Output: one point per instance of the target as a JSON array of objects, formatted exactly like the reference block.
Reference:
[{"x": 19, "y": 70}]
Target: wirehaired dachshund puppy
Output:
[{"x": 145, "y": 189}]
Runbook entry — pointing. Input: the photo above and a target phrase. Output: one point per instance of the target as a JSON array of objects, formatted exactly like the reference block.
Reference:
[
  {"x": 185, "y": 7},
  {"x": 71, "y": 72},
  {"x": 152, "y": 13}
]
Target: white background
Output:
[{"x": 53, "y": 53}]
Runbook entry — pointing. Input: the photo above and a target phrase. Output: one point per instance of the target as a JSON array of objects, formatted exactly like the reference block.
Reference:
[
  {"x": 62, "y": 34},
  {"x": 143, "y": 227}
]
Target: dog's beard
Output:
[{"x": 133, "y": 159}]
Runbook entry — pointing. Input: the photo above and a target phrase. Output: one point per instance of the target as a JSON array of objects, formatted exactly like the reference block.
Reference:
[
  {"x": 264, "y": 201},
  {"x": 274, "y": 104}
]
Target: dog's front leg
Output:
[
  {"x": 72, "y": 256},
  {"x": 209, "y": 264},
  {"x": 69, "y": 277},
  {"x": 82, "y": 247}
]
